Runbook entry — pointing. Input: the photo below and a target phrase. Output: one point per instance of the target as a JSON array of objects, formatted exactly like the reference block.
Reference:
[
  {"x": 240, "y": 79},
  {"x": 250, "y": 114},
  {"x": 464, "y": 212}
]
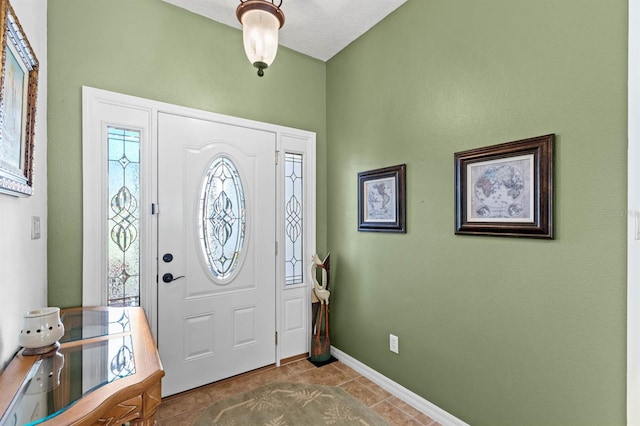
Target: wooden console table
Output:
[{"x": 106, "y": 372}]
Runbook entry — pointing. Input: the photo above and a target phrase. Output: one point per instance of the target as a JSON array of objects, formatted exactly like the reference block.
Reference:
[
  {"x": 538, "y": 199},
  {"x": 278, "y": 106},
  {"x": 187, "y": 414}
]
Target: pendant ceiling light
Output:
[{"x": 261, "y": 20}]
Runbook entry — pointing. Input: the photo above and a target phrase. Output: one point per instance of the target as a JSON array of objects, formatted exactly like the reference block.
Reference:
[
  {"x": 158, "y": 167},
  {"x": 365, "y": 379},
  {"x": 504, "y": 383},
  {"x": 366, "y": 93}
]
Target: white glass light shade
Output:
[{"x": 260, "y": 35}]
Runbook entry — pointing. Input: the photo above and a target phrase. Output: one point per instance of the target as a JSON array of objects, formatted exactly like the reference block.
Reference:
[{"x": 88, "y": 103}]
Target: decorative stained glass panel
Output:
[
  {"x": 124, "y": 217},
  {"x": 293, "y": 218},
  {"x": 222, "y": 217}
]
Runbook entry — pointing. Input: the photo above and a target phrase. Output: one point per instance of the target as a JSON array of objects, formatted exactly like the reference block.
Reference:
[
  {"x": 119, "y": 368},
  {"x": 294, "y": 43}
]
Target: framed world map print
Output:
[
  {"x": 506, "y": 189},
  {"x": 381, "y": 200},
  {"x": 19, "y": 82}
]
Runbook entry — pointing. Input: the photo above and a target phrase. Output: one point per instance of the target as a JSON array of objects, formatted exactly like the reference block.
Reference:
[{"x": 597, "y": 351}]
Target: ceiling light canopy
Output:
[{"x": 261, "y": 20}]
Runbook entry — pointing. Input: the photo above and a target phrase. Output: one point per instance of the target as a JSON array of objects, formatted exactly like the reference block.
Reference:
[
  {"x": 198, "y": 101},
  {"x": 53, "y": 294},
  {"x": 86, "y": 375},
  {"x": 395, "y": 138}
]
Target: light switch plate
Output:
[{"x": 35, "y": 227}]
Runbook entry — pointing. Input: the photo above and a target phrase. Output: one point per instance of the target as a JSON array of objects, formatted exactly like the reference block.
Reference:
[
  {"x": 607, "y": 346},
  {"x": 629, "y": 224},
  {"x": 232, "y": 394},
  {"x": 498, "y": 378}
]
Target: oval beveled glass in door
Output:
[{"x": 222, "y": 216}]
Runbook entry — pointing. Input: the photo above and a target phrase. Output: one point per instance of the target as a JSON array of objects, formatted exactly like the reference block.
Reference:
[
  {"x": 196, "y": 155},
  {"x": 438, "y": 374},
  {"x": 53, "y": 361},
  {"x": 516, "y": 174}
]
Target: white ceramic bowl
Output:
[{"x": 41, "y": 328}]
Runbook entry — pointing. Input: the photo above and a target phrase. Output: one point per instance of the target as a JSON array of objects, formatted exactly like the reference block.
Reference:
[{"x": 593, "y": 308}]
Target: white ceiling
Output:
[{"x": 318, "y": 28}]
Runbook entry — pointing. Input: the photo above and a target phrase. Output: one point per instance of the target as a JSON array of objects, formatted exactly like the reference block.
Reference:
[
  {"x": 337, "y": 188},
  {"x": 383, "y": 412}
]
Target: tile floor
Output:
[{"x": 185, "y": 408}]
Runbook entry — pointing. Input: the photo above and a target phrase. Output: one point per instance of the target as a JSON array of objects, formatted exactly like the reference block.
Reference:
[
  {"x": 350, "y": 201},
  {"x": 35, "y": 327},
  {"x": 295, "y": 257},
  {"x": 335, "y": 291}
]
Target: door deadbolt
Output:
[{"x": 168, "y": 257}]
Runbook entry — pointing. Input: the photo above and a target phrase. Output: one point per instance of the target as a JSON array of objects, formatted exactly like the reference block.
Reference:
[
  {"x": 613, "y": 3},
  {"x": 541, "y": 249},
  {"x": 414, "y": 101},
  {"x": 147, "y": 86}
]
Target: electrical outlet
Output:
[{"x": 393, "y": 343}]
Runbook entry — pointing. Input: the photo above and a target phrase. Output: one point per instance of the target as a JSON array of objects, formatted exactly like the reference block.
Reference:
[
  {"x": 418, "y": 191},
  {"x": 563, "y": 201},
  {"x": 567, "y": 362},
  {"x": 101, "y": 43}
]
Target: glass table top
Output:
[
  {"x": 56, "y": 382},
  {"x": 85, "y": 324}
]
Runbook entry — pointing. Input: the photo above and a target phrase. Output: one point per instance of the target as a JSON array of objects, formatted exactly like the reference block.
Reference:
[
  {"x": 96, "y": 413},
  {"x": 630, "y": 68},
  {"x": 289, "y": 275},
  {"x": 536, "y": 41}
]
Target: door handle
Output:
[{"x": 167, "y": 278}]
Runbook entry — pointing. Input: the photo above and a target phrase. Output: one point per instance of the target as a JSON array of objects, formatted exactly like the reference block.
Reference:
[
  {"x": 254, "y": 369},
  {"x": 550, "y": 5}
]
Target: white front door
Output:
[{"x": 216, "y": 237}]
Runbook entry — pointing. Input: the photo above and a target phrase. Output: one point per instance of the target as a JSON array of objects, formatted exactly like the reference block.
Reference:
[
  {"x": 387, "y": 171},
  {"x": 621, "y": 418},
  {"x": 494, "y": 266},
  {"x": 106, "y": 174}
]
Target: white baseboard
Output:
[{"x": 415, "y": 400}]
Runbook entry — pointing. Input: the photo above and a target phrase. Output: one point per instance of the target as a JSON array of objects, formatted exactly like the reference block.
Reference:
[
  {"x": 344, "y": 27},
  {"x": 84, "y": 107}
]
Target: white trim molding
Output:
[
  {"x": 633, "y": 219},
  {"x": 295, "y": 324},
  {"x": 413, "y": 399},
  {"x": 100, "y": 108}
]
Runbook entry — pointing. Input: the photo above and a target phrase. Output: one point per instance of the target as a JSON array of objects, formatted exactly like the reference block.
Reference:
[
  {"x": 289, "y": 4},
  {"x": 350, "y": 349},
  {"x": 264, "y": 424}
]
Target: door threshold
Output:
[{"x": 285, "y": 361}]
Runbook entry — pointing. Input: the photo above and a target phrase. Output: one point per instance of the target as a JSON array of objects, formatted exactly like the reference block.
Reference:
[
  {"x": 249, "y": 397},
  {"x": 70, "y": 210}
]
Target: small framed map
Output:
[
  {"x": 18, "y": 87},
  {"x": 506, "y": 189},
  {"x": 381, "y": 200}
]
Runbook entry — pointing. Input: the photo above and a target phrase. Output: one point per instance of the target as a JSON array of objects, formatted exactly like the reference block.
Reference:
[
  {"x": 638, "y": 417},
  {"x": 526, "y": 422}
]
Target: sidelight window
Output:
[
  {"x": 123, "y": 217},
  {"x": 293, "y": 189}
]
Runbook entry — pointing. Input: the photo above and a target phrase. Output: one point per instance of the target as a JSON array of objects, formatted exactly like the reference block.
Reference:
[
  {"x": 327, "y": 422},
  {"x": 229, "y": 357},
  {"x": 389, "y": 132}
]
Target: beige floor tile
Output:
[
  {"x": 392, "y": 414},
  {"x": 328, "y": 375},
  {"x": 403, "y": 406},
  {"x": 363, "y": 392},
  {"x": 184, "y": 403},
  {"x": 346, "y": 370},
  {"x": 186, "y": 408},
  {"x": 409, "y": 422},
  {"x": 302, "y": 365},
  {"x": 426, "y": 420},
  {"x": 220, "y": 391},
  {"x": 383, "y": 394},
  {"x": 186, "y": 419},
  {"x": 284, "y": 373}
]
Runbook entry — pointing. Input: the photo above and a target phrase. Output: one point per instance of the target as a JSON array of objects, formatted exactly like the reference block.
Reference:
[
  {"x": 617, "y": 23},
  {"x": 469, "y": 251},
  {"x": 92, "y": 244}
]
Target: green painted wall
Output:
[
  {"x": 496, "y": 331},
  {"x": 151, "y": 49}
]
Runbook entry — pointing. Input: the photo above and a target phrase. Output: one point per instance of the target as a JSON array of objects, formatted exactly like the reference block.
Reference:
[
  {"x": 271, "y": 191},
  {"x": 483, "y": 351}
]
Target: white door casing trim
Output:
[
  {"x": 95, "y": 103},
  {"x": 298, "y": 296},
  {"x": 633, "y": 217},
  {"x": 99, "y": 110}
]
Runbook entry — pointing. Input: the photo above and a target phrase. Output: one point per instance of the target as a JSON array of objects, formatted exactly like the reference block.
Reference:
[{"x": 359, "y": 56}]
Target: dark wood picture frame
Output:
[
  {"x": 18, "y": 91},
  {"x": 382, "y": 200},
  {"x": 506, "y": 189}
]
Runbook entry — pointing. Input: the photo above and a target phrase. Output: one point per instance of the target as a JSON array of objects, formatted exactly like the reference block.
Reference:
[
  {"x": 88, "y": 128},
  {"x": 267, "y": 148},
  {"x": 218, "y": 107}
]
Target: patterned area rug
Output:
[{"x": 291, "y": 404}]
